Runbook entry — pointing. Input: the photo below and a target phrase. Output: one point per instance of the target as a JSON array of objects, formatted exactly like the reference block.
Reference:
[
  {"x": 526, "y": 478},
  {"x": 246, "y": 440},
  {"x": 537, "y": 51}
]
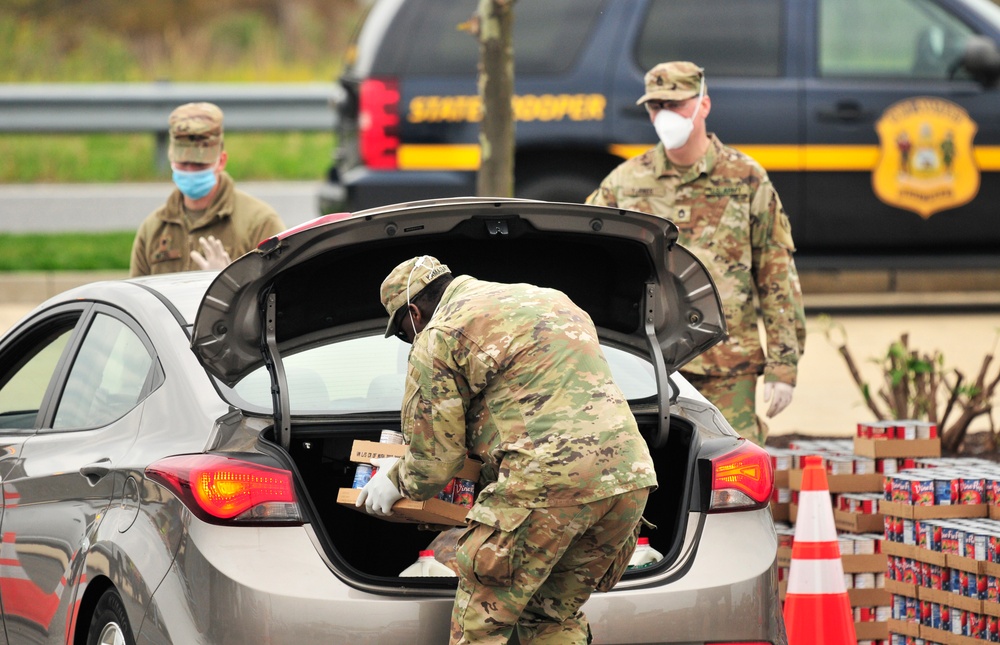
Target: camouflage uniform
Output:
[
  {"x": 514, "y": 374},
  {"x": 165, "y": 239},
  {"x": 730, "y": 217}
]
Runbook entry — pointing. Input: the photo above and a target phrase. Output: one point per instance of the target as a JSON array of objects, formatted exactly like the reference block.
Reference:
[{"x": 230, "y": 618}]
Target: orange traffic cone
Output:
[{"x": 817, "y": 608}]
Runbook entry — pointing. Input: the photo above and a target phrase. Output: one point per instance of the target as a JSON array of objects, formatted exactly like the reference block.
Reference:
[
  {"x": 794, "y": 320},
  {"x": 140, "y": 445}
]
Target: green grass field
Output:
[{"x": 65, "y": 251}]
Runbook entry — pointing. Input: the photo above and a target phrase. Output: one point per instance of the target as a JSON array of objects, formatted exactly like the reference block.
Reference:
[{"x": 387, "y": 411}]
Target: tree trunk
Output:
[{"x": 496, "y": 90}]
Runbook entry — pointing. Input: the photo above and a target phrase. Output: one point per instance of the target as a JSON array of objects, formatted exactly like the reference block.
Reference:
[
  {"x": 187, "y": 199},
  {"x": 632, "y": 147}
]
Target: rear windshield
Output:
[
  {"x": 367, "y": 374},
  {"x": 427, "y": 37}
]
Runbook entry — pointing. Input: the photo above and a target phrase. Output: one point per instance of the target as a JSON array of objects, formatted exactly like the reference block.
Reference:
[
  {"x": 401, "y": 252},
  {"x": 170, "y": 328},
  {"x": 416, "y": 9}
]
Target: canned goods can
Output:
[
  {"x": 447, "y": 494},
  {"x": 362, "y": 475},
  {"x": 391, "y": 436},
  {"x": 465, "y": 492}
]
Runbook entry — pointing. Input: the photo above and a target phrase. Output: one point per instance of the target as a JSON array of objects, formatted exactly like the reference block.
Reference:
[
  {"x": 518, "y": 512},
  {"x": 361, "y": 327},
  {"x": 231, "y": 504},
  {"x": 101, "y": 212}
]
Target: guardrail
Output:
[{"x": 144, "y": 107}]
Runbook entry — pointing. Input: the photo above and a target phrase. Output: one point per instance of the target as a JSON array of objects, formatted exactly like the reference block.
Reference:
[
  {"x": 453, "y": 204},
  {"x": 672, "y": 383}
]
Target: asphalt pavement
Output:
[{"x": 48, "y": 208}]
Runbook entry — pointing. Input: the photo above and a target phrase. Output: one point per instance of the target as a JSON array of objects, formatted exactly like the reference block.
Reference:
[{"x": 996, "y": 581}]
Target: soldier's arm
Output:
[
  {"x": 442, "y": 378},
  {"x": 777, "y": 285}
]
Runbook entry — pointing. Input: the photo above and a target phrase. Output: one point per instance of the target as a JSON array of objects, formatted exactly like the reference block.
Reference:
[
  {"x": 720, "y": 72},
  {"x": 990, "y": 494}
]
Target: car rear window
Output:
[
  {"x": 741, "y": 37},
  {"x": 426, "y": 38},
  {"x": 367, "y": 374}
]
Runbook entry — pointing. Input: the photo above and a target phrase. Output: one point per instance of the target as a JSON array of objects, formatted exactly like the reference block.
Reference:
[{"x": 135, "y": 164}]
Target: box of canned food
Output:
[
  {"x": 362, "y": 452},
  {"x": 880, "y": 448}
]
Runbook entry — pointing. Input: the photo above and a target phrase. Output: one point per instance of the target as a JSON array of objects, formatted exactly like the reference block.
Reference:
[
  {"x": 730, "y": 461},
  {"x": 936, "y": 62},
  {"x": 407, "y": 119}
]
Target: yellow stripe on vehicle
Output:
[
  {"x": 774, "y": 158},
  {"x": 438, "y": 157}
]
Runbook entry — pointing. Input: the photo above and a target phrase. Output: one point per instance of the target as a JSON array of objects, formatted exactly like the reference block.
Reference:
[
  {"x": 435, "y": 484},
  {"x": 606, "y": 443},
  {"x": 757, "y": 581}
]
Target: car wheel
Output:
[
  {"x": 110, "y": 625},
  {"x": 561, "y": 187}
]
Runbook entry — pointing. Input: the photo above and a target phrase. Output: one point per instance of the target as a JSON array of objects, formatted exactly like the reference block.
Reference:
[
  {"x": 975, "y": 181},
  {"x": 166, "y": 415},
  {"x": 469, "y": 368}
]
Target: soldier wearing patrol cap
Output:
[
  {"x": 514, "y": 374},
  {"x": 730, "y": 216},
  {"x": 206, "y": 220}
]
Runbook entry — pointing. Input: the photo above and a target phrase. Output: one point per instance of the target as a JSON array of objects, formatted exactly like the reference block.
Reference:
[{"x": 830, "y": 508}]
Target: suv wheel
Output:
[{"x": 110, "y": 625}]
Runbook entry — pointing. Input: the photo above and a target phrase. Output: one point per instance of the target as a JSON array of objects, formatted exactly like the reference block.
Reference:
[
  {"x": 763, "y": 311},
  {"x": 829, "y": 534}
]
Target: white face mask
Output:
[{"x": 673, "y": 129}]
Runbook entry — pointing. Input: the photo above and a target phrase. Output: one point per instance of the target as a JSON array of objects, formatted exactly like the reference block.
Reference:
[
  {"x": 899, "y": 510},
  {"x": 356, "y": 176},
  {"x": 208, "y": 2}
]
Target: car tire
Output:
[
  {"x": 559, "y": 187},
  {"x": 110, "y": 625}
]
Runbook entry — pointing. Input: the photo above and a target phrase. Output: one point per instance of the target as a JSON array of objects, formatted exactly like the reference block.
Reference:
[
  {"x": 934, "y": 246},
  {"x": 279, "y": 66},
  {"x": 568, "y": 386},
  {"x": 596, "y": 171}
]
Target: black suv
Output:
[{"x": 879, "y": 122}]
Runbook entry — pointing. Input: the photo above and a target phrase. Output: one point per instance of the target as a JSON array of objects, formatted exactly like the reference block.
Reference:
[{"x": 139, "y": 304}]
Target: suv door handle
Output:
[
  {"x": 844, "y": 112},
  {"x": 96, "y": 471}
]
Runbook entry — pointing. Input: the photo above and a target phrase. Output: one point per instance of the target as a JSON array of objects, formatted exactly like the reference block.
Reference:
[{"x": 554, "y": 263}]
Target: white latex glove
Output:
[
  {"x": 780, "y": 395},
  {"x": 213, "y": 256},
  {"x": 379, "y": 494}
]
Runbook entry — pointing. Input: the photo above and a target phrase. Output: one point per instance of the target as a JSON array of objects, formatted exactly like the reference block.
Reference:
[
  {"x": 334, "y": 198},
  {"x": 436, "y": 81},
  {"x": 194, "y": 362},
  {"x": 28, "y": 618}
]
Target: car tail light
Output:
[
  {"x": 378, "y": 123},
  {"x": 225, "y": 490},
  {"x": 742, "y": 479}
]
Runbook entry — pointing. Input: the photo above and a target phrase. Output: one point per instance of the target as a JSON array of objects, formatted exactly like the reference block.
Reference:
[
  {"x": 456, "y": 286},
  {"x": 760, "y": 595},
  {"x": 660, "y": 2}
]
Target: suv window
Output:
[
  {"x": 426, "y": 38},
  {"x": 889, "y": 38},
  {"x": 741, "y": 38}
]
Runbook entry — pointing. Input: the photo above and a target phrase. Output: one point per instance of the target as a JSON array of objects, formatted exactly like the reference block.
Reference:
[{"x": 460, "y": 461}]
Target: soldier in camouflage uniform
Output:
[
  {"x": 205, "y": 221},
  {"x": 730, "y": 217},
  {"x": 514, "y": 374}
]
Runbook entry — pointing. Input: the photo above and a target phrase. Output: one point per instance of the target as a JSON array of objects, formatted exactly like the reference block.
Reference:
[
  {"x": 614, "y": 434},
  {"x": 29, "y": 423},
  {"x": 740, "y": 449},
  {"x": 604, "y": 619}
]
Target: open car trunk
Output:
[
  {"x": 373, "y": 547},
  {"x": 317, "y": 285}
]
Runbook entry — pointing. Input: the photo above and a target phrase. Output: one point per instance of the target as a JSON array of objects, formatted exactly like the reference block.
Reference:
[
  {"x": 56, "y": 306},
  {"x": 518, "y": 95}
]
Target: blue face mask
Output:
[{"x": 195, "y": 184}]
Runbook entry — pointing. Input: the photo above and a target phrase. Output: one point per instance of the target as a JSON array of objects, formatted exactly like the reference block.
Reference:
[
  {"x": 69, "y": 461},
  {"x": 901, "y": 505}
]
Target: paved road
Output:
[{"x": 46, "y": 208}]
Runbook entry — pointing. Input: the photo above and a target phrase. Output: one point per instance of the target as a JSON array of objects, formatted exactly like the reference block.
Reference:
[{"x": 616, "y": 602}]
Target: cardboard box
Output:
[
  {"x": 871, "y": 631},
  {"x": 842, "y": 483},
  {"x": 870, "y": 598},
  {"x": 903, "y": 627},
  {"x": 363, "y": 452},
  {"x": 408, "y": 511},
  {"x": 784, "y": 556},
  {"x": 879, "y": 448},
  {"x": 858, "y": 522},
  {"x": 977, "y": 567},
  {"x": 994, "y": 512},
  {"x": 951, "y": 599},
  {"x": 935, "y": 512},
  {"x": 932, "y": 634},
  {"x": 901, "y": 588},
  {"x": 914, "y": 553},
  {"x": 781, "y": 478},
  {"x": 780, "y": 512},
  {"x": 871, "y": 563}
]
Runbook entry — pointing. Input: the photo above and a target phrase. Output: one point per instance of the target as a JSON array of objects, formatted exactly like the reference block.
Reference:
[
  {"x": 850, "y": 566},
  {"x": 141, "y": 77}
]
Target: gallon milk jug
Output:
[
  {"x": 426, "y": 565},
  {"x": 644, "y": 555}
]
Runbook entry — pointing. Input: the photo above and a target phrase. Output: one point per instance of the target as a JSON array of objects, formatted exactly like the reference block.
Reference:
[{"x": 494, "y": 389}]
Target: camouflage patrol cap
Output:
[
  {"x": 404, "y": 283},
  {"x": 674, "y": 81},
  {"x": 195, "y": 133}
]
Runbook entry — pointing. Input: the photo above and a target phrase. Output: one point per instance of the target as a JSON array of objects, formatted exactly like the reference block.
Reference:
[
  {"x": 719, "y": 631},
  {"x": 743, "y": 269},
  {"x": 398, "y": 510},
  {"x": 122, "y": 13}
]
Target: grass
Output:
[
  {"x": 65, "y": 251},
  {"x": 111, "y": 158}
]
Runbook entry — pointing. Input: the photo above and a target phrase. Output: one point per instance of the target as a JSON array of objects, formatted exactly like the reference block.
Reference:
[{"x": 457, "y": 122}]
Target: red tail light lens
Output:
[
  {"x": 378, "y": 123},
  {"x": 225, "y": 490},
  {"x": 741, "y": 479}
]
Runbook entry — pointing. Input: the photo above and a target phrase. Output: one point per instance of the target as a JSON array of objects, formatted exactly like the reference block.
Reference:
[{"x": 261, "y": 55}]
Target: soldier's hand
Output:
[
  {"x": 379, "y": 494},
  {"x": 779, "y": 394},
  {"x": 213, "y": 256}
]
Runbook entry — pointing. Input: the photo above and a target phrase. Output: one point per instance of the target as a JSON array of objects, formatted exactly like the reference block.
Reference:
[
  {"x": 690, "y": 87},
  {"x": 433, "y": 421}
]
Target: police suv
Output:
[{"x": 879, "y": 122}]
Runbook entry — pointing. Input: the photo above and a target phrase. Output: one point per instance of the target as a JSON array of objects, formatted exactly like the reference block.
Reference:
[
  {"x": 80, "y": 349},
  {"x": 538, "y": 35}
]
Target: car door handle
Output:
[
  {"x": 96, "y": 471},
  {"x": 844, "y": 112}
]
